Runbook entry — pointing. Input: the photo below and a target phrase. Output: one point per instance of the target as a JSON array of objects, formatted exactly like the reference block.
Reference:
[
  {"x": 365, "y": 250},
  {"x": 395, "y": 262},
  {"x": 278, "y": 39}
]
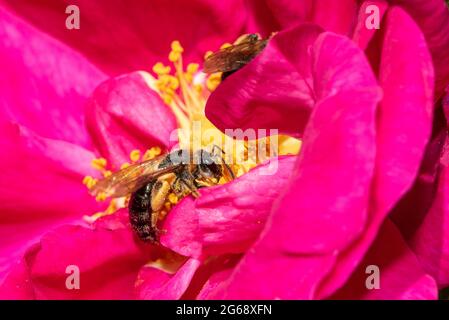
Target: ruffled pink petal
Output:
[
  {"x": 430, "y": 241},
  {"x": 124, "y": 114},
  {"x": 401, "y": 277},
  {"x": 362, "y": 35},
  {"x": 432, "y": 17},
  {"x": 43, "y": 83},
  {"x": 406, "y": 76},
  {"x": 230, "y": 217},
  {"x": 275, "y": 83},
  {"x": 120, "y": 37},
  {"x": 155, "y": 284},
  {"x": 295, "y": 71},
  {"x": 324, "y": 210},
  {"x": 108, "y": 262},
  {"x": 41, "y": 187},
  {"x": 275, "y": 15},
  {"x": 16, "y": 286},
  {"x": 211, "y": 273}
]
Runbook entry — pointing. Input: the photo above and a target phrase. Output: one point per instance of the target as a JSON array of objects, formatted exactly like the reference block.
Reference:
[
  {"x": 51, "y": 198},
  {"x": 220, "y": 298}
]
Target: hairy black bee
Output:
[
  {"x": 180, "y": 172},
  {"x": 233, "y": 58}
]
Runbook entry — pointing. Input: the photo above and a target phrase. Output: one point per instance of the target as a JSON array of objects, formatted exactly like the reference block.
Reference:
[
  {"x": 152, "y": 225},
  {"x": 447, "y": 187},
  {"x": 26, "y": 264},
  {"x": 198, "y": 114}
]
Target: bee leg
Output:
[
  {"x": 177, "y": 188},
  {"x": 159, "y": 193},
  {"x": 153, "y": 223},
  {"x": 190, "y": 186}
]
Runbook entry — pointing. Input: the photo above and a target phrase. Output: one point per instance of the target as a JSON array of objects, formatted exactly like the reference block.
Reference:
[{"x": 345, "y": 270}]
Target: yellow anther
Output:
[
  {"x": 167, "y": 206},
  {"x": 225, "y": 45},
  {"x": 151, "y": 153},
  {"x": 198, "y": 88},
  {"x": 99, "y": 164},
  {"x": 101, "y": 197},
  {"x": 162, "y": 214},
  {"x": 112, "y": 207},
  {"x": 172, "y": 198},
  {"x": 189, "y": 77},
  {"x": 167, "y": 84},
  {"x": 134, "y": 156},
  {"x": 168, "y": 99},
  {"x": 125, "y": 165},
  {"x": 87, "y": 179},
  {"x": 208, "y": 54},
  {"x": 89, "y": 182},
  {"x": 176, "y": 51},
  {"x": 107, "y": 173},
  {"x": 160, "y": 69},
  {"x": 174, "y": 84},
  {"x": 213, "y": 81},
  {"x": 192, "y": 68},
  {"x": 176, "y": 46},
  {"x": 174, "y": 56}
]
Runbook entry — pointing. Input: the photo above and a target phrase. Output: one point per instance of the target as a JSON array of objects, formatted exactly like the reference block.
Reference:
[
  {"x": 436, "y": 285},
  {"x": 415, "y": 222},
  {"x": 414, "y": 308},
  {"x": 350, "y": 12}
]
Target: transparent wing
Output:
[{"x": 130, "y": 179}]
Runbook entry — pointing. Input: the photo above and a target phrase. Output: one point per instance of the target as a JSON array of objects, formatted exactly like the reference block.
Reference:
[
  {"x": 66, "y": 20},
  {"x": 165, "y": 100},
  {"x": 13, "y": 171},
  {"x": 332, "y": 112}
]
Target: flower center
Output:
[{"x": 185, "y": 91}]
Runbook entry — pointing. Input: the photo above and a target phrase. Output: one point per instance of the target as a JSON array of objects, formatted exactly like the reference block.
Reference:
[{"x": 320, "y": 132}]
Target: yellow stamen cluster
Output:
[
  {"x": 100, "y": 164},
  {"x": 176, "y": 51},
  {"x": 213, "y": 81},
  {"x": 134, "y": 156},
  {"x": 151, "y": 153},
  {"x": 185, "y": 91}
]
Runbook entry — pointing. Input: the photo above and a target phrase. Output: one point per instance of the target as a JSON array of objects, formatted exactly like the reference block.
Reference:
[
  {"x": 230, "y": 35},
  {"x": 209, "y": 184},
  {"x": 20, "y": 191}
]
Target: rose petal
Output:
[
  {"x": 400, "y": 275},
  {"x": 43, "y": 84},
  {"x": 108, "y": 262},
  {"x": 124, "y": 114},
  {"x": 407, "y": 90},
  {"x": 289, "y": 79},
  {"x": 331, "y": 183},
  {"x": 432, "y": 17},
  {"x": 363, "y": 35},
  {"x": 275, "y": 15},
  {"x": 209, "y": 275},
  {"x": 227, "y": 218},
  {"x": 41, "y": 187},
  {"x": 430, "y": 241},
  {"x": 122, "y": 37},
  {"x": 159, "y": 285},
  {"x": 262, "y": 92}
]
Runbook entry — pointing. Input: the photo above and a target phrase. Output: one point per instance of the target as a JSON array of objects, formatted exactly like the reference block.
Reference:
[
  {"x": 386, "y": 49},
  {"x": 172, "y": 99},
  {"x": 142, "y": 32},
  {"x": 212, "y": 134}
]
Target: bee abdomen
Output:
[{"x": 140, "y": 213}]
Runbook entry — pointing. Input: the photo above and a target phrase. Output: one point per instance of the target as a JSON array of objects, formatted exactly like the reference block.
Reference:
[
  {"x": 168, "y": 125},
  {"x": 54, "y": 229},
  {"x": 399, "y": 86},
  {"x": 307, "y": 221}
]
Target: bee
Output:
[
  {"x": 233, "y": 58},
  {"x": 149, "y": 183}
]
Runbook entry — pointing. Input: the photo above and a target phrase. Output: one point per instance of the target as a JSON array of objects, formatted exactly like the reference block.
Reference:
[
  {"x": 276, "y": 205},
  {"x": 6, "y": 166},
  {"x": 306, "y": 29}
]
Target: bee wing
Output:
[
  {"x": 233, "y": 57},
  {"x": 130, "y": 179}
]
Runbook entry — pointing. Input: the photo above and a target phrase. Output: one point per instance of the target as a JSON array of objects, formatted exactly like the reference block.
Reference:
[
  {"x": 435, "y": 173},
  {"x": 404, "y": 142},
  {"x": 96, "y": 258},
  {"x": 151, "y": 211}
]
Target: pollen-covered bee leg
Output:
[
  {"x": 159, "y": 193},
  {"x": 153, "y": 223},
  {"x": 177, "y": 189}
]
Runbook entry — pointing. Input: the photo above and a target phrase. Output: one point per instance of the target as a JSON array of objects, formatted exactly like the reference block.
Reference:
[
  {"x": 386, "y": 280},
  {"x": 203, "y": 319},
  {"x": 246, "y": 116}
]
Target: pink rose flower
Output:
[{"x": 367, "y": 188}]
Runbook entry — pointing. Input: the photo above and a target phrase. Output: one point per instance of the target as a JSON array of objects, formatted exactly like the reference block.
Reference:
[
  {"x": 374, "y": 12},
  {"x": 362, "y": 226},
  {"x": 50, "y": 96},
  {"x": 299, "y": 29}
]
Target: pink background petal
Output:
[
  {"x": 226, "y": 218},
  {"x": 159, "y": 285},
  {"x": 401, "y": 276},
  {"x": 108, "y": 262},
  {"x": 123, "y": 36},
  {"x": 124, "y": 114},
  {"x": 46, "y": 191},
  {"x": 43, "y": 84},
  {"x": 331, "y": 184}
]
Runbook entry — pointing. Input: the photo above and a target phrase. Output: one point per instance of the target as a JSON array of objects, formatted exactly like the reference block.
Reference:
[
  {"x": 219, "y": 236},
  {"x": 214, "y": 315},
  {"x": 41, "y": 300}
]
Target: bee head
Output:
[{"x": 208, "y": 166}]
